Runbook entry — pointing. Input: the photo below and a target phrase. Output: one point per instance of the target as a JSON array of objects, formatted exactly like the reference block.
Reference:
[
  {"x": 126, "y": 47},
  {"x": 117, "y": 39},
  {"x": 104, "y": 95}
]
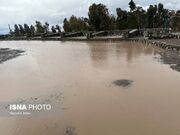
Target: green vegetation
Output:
[
  {"x": 75, "y": 24},
  {"x": 175, "y": 19},
  {"x": 99, "y": 18},
  {"x": 39, "y": 28}
]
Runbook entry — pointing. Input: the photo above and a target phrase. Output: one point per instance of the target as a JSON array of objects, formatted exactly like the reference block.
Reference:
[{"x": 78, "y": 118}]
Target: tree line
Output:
[
  {"x": 38, "y": 28},
  {"x": 99, "y": 18}
]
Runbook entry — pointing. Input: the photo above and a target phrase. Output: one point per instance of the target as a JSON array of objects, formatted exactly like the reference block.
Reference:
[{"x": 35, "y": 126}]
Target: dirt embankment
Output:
[
  {"x": 7, "y": 54},
  {"x": 172, "y": 58},
  {"x": 170, "y": 41}
]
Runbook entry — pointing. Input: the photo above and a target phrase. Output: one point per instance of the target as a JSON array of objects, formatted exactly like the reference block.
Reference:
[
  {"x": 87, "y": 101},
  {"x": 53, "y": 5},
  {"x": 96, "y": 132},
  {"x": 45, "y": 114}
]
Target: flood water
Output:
[{"x": 80, "y": 76}]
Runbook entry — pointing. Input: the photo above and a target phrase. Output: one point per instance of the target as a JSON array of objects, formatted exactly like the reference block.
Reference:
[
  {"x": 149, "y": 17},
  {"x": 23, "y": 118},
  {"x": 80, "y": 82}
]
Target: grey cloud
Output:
[{"x": 54, "y": 11}]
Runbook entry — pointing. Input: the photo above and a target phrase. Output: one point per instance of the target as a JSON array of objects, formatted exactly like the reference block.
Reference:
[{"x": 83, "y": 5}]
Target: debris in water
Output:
[
  {"x": 70, "y": 131},
  {"x": 123, "y": 82}
]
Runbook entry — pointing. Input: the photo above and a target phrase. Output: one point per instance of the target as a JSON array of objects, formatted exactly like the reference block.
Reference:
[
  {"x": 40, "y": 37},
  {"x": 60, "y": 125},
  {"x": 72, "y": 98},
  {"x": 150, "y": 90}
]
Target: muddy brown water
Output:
[{"x": 84, "y": 72}]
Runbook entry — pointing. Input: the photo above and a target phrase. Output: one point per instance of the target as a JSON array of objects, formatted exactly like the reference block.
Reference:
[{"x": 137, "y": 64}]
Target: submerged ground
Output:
[{"x": 97, "y": 88}]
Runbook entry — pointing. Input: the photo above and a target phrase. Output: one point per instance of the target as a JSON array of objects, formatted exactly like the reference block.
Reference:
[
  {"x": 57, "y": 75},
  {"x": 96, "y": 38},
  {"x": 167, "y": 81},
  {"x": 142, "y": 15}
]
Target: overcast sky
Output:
[{"x": 54, "y": 11}]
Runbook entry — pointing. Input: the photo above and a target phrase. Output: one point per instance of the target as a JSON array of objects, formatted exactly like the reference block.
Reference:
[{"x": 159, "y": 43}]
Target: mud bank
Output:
[
  {"x": 7, "y": 54},
  {"x": 171, "y": 53},
  {"x": 172, "y": 58}
]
